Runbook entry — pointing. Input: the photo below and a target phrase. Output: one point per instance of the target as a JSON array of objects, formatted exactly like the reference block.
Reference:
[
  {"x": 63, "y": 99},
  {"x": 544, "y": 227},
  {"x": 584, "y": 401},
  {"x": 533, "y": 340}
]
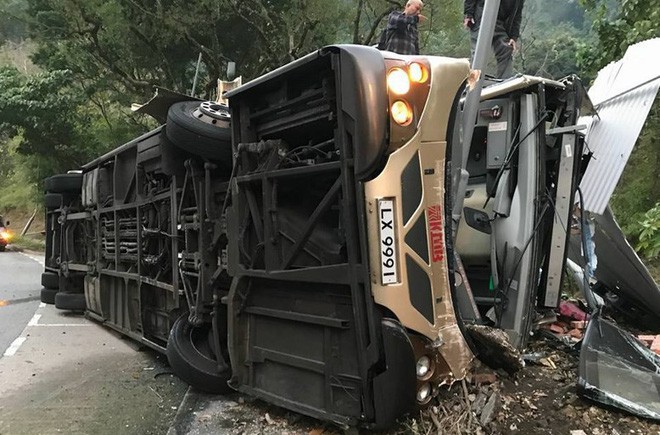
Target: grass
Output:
[{"x": 31, "y": 243}]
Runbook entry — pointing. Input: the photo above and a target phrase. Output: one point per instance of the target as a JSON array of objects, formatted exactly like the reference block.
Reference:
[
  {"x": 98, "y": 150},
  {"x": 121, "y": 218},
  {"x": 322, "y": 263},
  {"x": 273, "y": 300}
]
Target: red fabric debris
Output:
[{"x": 572, "y": 311}]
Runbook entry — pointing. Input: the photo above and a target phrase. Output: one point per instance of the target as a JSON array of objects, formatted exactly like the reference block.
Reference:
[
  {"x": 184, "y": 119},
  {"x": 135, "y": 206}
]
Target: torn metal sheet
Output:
[
  {"x": 517, "y": 83},
  {"x": 160, "y": 103},
  {"x": 617, "y": 370},
  {"x": 619, "y": 267},
  {"x": 623, "y": 94}
]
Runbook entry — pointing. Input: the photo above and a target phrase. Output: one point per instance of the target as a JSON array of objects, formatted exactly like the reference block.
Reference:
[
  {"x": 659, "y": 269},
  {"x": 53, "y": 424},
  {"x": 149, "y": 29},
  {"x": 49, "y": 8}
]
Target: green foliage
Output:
[
  {"x": 649, "y": 233},
  {"x": 17, "y": 191},
  {"x": 552, "y": 30},
  {"x": 43, "y": 110},
  {"x": 638, "y": 192},
  {"x": 12, "y": 29},
  {"x": 17, "y": 188},
  {"x": 33, "y": 243},
  {"x": 551, "y": 54},
  {"x": 130, "y": 46},
  {"x": 615, "y": 28},
  {"x": 54, "y": 125}
]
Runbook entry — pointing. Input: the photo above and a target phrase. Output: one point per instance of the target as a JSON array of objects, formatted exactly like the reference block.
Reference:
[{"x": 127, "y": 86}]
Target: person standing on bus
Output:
[
  {"x": 505, "y": 36},
  {"x": 401, "y": 35}
]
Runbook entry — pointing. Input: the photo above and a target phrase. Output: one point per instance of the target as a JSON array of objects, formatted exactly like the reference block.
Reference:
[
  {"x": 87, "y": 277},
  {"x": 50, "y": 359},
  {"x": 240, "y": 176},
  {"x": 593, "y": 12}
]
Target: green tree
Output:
[
  {"x": 615, "y": 27},
  {"x": 552, "y": 30},
  {"x": 50, "y": 121}
]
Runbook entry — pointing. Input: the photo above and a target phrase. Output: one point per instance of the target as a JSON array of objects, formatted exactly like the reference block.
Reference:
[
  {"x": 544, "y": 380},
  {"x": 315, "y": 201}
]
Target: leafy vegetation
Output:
[
  {"x": 649, "y": 233},
  {"x": 616, "y": 26}
]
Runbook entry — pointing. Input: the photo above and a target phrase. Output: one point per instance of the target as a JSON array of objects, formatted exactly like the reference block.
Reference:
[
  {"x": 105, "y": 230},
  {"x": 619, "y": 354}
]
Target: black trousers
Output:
[{"x": 503, "y": 51}]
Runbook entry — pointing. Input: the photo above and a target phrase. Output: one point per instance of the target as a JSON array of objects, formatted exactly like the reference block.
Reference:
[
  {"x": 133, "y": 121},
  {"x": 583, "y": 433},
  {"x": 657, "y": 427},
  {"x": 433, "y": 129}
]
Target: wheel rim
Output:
[{"x": 212, "y": 113}]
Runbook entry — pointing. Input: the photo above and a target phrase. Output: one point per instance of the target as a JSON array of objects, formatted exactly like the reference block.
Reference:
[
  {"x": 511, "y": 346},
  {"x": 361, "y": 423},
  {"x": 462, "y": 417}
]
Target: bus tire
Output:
[
  {"x": 53, "y": 200},
  {"x": 196, "y": 136},
  {"x": 48, "y": 295},
  {"x": 63, "y": 183},
  {"x": 70, "y": 301},
  {"x": 192, "y": 358},
  {"x": 50, "y": 280}
]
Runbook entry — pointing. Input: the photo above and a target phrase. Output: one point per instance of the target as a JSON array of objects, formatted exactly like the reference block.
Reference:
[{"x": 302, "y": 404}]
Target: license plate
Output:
[{"x": 388, "y": 249}]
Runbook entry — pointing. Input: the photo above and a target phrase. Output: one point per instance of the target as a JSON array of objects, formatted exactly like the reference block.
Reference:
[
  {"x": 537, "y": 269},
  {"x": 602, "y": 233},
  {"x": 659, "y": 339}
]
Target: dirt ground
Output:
[{"x": 539, "y": 399}]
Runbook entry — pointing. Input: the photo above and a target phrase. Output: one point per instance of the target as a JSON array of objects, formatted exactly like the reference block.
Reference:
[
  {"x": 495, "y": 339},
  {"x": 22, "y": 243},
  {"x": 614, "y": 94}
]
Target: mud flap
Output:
[{"x": 394, "y": 389}]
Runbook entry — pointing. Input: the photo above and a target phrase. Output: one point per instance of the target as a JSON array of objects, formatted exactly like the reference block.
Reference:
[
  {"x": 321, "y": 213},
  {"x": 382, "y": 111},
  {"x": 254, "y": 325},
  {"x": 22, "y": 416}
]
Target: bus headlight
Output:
[
  {"x": 424, "y": 393},
  {"x": 401, "y": 113},
  {"x": 398, "y": 81},
  {"x": 424, "y": 367},
  {"x": 418, "y": 72}
]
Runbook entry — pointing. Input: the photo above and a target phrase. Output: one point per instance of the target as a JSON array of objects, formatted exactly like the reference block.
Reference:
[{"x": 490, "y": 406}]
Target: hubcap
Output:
[{"x": 213, "y": 113}]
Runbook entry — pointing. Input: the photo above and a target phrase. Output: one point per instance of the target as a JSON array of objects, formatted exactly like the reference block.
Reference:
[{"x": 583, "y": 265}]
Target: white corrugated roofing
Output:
[
  {"x": 623, "y": 94},
  {"x": 515, "y": 83}
]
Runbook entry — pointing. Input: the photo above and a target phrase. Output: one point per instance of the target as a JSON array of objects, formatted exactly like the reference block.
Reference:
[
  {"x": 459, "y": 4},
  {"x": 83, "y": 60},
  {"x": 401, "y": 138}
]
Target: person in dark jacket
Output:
[
  {"x": 401, "y": 35},
  {"x": 506, "y": 34}
]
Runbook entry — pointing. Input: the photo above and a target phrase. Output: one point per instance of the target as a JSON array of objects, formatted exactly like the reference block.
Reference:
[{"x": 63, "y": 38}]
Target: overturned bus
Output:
[{"x": 300, "y": 245}]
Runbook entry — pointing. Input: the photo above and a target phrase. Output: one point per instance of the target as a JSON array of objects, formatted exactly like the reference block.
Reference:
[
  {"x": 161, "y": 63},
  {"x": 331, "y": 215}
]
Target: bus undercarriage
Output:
[{"x": 303, "y": 252}]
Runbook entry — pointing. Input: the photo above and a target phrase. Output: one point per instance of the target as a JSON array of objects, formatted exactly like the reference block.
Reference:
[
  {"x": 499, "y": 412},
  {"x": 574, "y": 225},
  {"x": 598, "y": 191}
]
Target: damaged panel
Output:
[
  {"x": 621, "y": 269},
  {"x": 617, "y": 370},
  {"x": 623, "y": 94}
]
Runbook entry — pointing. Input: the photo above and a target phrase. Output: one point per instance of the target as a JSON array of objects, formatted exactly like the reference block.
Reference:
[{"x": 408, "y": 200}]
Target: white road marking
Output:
[
  {"x": 13, "y": 347},
  {"x": 63, "y": 324},
  {"x": 42, "y": 305},
  {"x": 34, "y": 321},
  {"x": 39, "y": 260}
]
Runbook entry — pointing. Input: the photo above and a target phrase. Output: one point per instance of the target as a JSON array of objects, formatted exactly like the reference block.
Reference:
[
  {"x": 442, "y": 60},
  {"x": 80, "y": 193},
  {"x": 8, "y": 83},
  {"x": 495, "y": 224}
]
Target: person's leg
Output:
[{"x": 503, "y": 52}]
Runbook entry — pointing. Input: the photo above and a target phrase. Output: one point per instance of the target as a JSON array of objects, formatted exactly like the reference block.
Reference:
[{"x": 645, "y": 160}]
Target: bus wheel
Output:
[
  {"x": 53, "y": 200},
  {"x": 191, "y": 355},
  {"x": 201, "y": 129},
  {"x": 48, "y": 295},
  {"x": 50, "y": 280},
  {"x": 63, "y": 183},
  {"x": 70, "y": 301}
]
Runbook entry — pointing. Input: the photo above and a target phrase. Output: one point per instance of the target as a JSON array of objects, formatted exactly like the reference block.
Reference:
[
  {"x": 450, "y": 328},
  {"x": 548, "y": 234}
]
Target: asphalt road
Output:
[
  {"x": 20, "y": 287},
  {"x": 62, "y": 373}
]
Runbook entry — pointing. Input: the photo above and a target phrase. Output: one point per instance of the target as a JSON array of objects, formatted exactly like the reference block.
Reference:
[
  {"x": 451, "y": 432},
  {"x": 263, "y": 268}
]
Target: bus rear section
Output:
[{"x": 341, "y": 304}]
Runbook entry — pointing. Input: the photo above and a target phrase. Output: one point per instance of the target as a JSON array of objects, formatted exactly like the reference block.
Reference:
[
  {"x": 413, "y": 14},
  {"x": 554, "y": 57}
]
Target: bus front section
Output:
[{"x": 341, "y": 305}]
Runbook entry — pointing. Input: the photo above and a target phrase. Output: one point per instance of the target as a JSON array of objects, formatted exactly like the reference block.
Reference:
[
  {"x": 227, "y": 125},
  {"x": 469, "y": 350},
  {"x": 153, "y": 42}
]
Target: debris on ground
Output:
[
  {"x": 569, "y": 324},
  {"x": 617, "y": 370},
  {"x": 495, "y": 349},
  {"x": 651, "y": 341}
]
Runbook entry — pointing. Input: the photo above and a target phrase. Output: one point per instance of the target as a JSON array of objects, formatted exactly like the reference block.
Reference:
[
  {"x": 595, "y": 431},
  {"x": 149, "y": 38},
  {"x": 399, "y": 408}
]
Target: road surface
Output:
[
  {"x": 61, "y": 373},
  {"x": 20, "y": 279}
]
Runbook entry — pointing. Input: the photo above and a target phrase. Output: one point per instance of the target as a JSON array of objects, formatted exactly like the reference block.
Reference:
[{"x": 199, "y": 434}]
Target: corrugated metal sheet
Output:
[{"x": 623, "y": 94}]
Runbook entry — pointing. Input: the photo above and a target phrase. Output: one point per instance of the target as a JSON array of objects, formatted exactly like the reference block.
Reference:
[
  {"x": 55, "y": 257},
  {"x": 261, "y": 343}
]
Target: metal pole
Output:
[
  {"x": 470, "y": 108},
  {"x": 194, "y": 85},
  {"x": 484, "y": 42}
]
